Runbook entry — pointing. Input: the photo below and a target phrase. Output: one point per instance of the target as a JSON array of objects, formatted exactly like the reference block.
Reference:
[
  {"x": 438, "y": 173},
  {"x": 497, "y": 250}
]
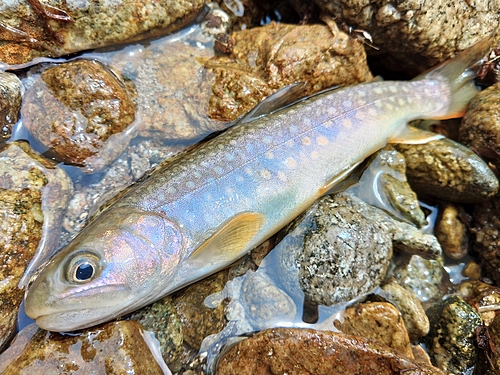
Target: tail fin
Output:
[{"x": 460, "y": 75}]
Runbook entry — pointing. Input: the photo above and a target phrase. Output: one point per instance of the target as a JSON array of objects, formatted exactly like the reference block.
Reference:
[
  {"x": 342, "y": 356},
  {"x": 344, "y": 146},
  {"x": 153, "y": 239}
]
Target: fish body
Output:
[{"x": 211, "y": 206}]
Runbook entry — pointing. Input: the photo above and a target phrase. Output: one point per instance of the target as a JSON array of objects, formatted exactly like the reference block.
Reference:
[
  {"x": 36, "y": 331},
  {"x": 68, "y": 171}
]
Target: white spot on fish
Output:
[
  {"x": 269, "y": 155},
  {"x": 378, "y": 90},
  {"x": 239, "y": 178},
  {"x": 265, "y": 174},
  {"x": 306, "y": 141},
  {"x": 401, "y": 101},
  {"x": 171, "y": 190},
  {"x": 282, "y": 177},
  {"x": 290, "y": 163},
  {"x": 190, "y": 184},
  {"x": 322, "y": 141},
  {"x": 393, "y": 89},
  {"x": 347, "y": 122},
  {"x": 196, "y": 174},
  {"x": 267, "y": 139},
  {"x": 314, "y": 155},
  {"x": 249, "y": 171},
  {"x": 218, "y": 170}
]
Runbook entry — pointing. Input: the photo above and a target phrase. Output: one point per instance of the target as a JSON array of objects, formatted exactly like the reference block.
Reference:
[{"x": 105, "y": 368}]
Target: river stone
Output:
[
  {"x": 11, "y": 90},
  {"x": 122, "y": 347},
  {"x": 484, "y": 297},
  {"x": 486, "y": 224},
  {"x": 265, "y": 59},
  {"x": 306, "y": 351},
  {"x": 414, "y": 317},
  {"x": 414, "y": 36},
  {"x": 82, "y": 112},
  {"x": 33, "y": 196},
  {"x": 480, "y": 127},
  {"x": 26, "y": 33},
  {"x": 378, "y": 321},
  {"x": 343, "y": 255},
  {"x": 447, "y": 170},
  {"x": 451, "y": 337},
  {"x": 452, "y": 232}
]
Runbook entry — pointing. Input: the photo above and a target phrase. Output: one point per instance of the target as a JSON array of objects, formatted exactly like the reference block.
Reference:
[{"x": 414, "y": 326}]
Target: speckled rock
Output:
[
  {"x": 82, "y": 112},
  {"x": 414, "y": 317},
  {"x": 114, "y": 348},
  {"x": 451, "y": 338},
  {"x": 446, "y": 170},
  {"x": 306, "y": 351},
  {"x": 378, "y": 321},
  {"x": 33, "y": 196},
  {"x": 413, "y": 36},
  {"x": 161, "y": 319},
  {"x": 486, "y": 224},
  {"x": 421, "y": 276},
  {"x": 265, "y": 59},
  {"x": 10, "y": 103},
  {"x": 483, "y": 297},
  {"x": 191, "y": 310},
  {"x": 452, "y": 232},
  {"x": 343, "y": 254},
  {"x": 480, "y": 127},
  {"x": 493, "y": 349},
  {"x": 55, "y": 28}
]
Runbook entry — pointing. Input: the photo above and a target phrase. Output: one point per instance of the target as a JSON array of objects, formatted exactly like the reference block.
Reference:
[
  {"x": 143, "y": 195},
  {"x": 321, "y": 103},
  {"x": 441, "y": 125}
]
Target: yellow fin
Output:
[
  {"x": 230, "y": 241},
  {"x": 414, "y": 136}
]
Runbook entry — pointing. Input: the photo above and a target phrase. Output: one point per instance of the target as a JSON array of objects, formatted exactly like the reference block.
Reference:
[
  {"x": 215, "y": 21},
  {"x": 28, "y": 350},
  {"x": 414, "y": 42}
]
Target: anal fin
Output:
[{"x": 415, "y": 136}]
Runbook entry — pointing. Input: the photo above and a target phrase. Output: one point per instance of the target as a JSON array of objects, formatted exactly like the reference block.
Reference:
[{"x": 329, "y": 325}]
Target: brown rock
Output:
[
  {"x": 10, "y": 103},
  {"x": 305, "y": 351},
  {"x": 480, "y": 127},
  {"x": 265, "y": 59},
  {"x": 447, "y": 170},
  {"x": 452, "y": 232},
  {"x": 114, "y": 348},
  {"x": 378, "y": 321},
  {"x": 415, "y": 36},
  {"x": 56, "y": 28},
  {"x": 33, "y": 196},
  {"x": 486, "y": 225},
  {"x": 75, "y": 108}
]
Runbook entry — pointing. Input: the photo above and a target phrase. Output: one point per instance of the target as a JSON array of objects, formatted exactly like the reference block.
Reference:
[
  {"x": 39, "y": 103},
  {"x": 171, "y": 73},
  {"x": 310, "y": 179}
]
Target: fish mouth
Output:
[{"x": 73, "y": 320}]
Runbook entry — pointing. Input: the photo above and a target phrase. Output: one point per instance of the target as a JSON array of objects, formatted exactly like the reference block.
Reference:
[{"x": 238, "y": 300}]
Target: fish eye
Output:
[{"x": 83, "y": 268}]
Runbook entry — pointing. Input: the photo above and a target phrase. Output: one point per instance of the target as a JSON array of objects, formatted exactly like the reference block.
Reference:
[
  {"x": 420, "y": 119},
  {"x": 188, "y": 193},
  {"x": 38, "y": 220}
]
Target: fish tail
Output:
[{"x": 460, "y": 74}]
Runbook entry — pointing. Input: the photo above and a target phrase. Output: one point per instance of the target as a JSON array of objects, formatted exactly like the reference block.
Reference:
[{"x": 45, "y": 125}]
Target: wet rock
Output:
[
  {"x": 446, "y": 170},
  {"x": 384, "y": 185},
  {"x": 414, "y": 317},
  {"x": 451, "y": 338},
  {"x": 491, "y": 346},
  {"x": 421, "y": 276},
  {"x": 265, "y": 304},
  {"x": 305, "y": 351},
  {"x": 54, "y": 28},
  {"x": 343, "y": 254},
  {"x": 33, "y": 196},
  {"x": 161, "y": 319},
  {"x": 378, "y": 321},
  {"x": 191, "y": 310},
  {"x": 11, "y": 90},
  {"x": 452, "y": 232},
  {"x": 483, "y": 297},
  {"x": 414, "y": 37},
  {"x": 265, "y": 59},
  {"x": 486, "y": 224},
  {"x": 122, "y": 347},
  {"x": 173, "y": 86},
  {"x": 472, "y": 270},
  {"x": 480, "y": 127},
  {"x": 82, "y": 112}
]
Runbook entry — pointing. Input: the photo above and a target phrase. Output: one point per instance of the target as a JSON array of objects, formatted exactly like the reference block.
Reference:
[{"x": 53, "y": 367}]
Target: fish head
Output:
[{"x": 117, "y": 264}]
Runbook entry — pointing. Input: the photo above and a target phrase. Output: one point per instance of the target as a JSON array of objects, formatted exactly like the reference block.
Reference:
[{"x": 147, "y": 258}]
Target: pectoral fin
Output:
[
  {"x": 415, "y": 136},
  {"x": 230, "y": 241}
]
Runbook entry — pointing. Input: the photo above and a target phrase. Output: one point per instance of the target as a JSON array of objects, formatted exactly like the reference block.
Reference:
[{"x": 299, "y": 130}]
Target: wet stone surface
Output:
[
  {"x": 446, "y": 170},
  {"x": 55, "y": 28},
  {"x": 452, "y": 334},
  {"x": 114, "y": 348},
  {"x": 411, "y": 37},
  {"x": 265, "y": 59},
  {"x": 32, "y": 201},
  {"x": 289, "y": 350},
  {"x": 10, "y": 103},
  {"x": 480, "y": 127},
  {"x": 451, "y": 231},
  {"x": 82, "y": 112}
]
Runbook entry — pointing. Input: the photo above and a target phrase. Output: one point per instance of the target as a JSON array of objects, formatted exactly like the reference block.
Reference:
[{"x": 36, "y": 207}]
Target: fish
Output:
[{"x": 209, "y": 207}]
